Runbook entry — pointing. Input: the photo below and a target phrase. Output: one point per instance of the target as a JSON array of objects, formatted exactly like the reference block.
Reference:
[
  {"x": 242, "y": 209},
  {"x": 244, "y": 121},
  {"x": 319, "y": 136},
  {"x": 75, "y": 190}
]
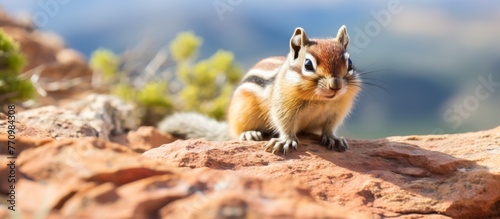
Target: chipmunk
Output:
[{"x": 310, "y": 90}]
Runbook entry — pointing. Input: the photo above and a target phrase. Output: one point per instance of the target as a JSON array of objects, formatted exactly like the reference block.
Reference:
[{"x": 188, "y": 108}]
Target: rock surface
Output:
[
  {"x": 92, "y": 178},
  {"x": 143, "y": 139},
  {"x": 59, "y": 122},
  {"x": 452, "y": 175},
  {"x": 399, "y": 177},
  {"x": 101, "y": 116},
  {"x": 108, "y": 114}
]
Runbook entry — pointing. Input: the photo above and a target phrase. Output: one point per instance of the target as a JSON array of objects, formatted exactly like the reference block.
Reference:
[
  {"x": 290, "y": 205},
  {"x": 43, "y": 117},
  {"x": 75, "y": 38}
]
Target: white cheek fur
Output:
[
  {"x": 347, "y": 56},
  {"x": 292, "y": 77}
]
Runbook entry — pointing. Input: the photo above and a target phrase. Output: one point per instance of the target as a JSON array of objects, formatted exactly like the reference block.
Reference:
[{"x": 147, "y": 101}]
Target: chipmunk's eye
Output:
[
  {"x": 308, "y": 65},
  {"x": 350, "y": 68}
]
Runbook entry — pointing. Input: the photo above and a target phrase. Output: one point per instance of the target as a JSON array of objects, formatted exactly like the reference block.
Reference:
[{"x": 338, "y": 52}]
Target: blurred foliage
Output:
[
  {"x": 202, "y": 93},
  {"x": 12, "y": 87},
  {"x": 154, "y": 94},
  {"x": 206, "y": 85},
  {"x": 184, "y": 46},
  {"x": 105, "y": 62}
]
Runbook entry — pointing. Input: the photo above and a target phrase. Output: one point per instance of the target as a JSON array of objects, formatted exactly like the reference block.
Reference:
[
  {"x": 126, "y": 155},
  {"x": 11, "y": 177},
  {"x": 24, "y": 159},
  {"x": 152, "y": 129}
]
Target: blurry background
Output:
[{"x": 443, "y": 56}]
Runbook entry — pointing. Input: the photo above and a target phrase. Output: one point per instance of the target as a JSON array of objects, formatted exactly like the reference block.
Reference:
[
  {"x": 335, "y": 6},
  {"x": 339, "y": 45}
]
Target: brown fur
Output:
[{"x": 248, "y": 113}]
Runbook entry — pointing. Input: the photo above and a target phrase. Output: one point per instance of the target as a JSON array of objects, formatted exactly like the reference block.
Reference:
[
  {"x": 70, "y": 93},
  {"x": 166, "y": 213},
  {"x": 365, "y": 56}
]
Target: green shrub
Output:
[
  {"x": 104, "y": 62},
  {"x": 202, "y": 93},
  {"x": 154, "y": 94},
  {"x": 207, "y": 84},
  {"x": 184, "y": 46},
  {"x": 12, "y": 88}
]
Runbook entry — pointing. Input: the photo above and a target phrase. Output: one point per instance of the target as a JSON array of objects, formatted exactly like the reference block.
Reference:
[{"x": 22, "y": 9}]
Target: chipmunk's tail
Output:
[{"x": 194, "y": 125}]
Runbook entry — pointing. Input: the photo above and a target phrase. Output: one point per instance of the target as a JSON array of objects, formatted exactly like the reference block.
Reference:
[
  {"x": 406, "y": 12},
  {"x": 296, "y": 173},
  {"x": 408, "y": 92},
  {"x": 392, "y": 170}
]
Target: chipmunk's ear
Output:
[
  {"x": 343, "y": 37},
  {"x": 298, "y": 41}
]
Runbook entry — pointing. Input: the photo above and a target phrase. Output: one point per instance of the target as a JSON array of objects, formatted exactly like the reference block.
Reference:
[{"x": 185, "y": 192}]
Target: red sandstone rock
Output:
[
  {"x": 90, "y": 178},
  {"x": 143, "y": 139},
  {"x": 22, "y": 129},
  {"x": 21, "y": 143},
  {"x": 223, "y": 194},
  {"x": 70, "y": 57},
  {"x": 4, "y": 174},
  {"x": 139, "y": 199},
  {"x": 88, "y": 159},
  {"x": 402, "y": 177},
  {"x": 54, "y": 172},
  {"x": 452, "y": 175},
  {"x": 59, "y": 122}
]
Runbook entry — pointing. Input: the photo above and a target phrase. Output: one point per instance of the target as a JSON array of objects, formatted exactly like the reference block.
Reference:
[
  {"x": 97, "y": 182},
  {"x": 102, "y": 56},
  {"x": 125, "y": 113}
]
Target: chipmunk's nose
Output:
[{"x": 335, "y": 84}]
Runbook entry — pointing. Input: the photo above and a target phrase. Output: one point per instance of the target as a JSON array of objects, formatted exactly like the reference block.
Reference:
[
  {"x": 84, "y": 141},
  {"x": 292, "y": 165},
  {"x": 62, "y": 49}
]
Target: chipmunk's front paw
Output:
[
  {"x": 333, "y": 143},
  {"x": 251, "y": 136},
  {"x": 281, "y": 144}
]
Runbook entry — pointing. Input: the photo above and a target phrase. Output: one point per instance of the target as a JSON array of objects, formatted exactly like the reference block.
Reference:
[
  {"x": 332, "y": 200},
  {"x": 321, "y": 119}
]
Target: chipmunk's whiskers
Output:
[
  {"x": 367, "y": 79},
  {"x": 379, "y": 71}
]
